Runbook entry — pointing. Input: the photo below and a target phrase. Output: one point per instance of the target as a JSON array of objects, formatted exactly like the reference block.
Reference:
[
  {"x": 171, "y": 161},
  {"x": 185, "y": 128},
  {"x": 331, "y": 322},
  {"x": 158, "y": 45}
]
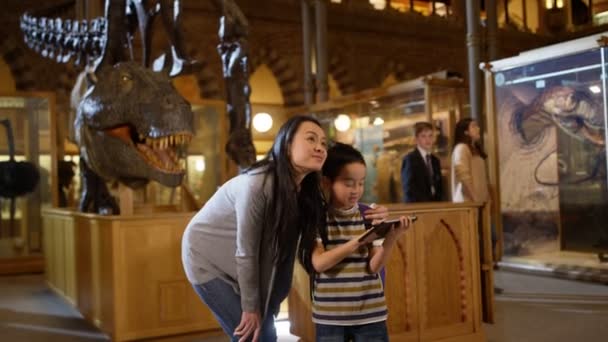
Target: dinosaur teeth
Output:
[{"x": 165, "y": 142}]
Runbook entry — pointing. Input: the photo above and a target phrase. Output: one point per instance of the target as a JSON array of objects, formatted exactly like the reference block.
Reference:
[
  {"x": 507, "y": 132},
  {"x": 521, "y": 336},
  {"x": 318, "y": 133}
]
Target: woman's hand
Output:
[
  {"x": 376, "y": 213},
  {"x": 250, "y": 324}
]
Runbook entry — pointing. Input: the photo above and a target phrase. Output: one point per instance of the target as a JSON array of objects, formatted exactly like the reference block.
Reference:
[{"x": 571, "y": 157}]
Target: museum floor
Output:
[{"x": 531, "y": 308}]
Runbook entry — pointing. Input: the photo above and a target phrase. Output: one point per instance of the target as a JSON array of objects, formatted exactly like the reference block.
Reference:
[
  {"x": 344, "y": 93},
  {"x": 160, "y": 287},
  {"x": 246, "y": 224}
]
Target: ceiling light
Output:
[
  {"x": 199, "y": 165},
  {"x": 378, "y": 121},
  {"x": 262, "y": 122},
  {"x": 342, "y": 122}
]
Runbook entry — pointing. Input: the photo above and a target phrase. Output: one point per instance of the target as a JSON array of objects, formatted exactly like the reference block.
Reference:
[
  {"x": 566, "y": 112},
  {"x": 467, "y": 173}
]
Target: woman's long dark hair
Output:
[
  {"x": 460, "y": 137},
  {"x": 291, "y": 213}
]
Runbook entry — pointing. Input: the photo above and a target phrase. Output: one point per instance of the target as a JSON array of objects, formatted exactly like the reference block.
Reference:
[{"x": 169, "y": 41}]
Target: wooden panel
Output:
[
  {"x": 107, "y": 305},
  {"x": 70, "y": 261},
  {"x": 401, "y": 290},
  {"x": 58, "y": 240},
  {"x": 49, "y": 251},
  {"x": 300, "y": 305},
  {"x": 444, "y": 275},
  {"x": 59, "y": 255},
  {"x": 487, "y": 267},
  {"x": 172, "y": 296},
  {"x": 84, "y": 281},
  {"x": 151, "y": 283}
]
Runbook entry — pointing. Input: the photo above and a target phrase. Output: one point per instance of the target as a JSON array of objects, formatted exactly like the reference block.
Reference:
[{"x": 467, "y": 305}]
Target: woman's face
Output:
[
  {"x": 473, "y": 131},
  {"x": 308, "y": 149}
]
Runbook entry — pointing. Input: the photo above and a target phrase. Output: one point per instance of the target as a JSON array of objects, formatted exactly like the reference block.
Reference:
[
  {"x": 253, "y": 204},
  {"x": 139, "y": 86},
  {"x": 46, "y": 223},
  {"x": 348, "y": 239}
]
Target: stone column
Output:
[
  {"x": 307, "y": 41},
  {"x": 492, "y": 24},
  {"x": 321, "y": 77},
  {"x": 473, "y": 11}
]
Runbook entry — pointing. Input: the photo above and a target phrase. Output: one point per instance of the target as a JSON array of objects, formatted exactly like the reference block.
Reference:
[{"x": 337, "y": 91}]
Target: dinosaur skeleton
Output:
[{"x": 130, "y": 112}]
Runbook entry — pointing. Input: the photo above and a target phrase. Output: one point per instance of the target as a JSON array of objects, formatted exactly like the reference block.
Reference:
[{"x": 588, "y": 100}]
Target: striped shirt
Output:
[{"x": 347, "y": 294}]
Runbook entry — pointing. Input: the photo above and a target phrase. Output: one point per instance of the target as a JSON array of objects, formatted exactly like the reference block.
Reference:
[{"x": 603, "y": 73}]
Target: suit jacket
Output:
[{"x": 416, "y": 181}]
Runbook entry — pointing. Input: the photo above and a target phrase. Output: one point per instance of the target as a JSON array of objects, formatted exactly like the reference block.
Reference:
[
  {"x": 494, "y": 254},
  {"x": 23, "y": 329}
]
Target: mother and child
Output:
[{"x": 301, "y": 200}]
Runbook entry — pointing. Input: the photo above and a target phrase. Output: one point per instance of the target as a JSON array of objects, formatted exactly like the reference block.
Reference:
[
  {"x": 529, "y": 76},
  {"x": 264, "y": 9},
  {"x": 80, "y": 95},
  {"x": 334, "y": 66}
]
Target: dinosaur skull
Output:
[{"x": 131, "y": 125}]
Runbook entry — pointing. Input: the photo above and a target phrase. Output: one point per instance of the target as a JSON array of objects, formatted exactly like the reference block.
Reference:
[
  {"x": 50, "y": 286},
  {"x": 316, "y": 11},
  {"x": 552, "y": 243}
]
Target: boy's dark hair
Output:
[
  {"x": 422, "y": 126},
  {"x": 339, "y": 155}
]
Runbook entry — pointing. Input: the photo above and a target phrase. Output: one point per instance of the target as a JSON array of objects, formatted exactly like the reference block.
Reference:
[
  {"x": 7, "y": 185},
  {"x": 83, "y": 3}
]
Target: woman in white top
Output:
[{"x": 469, "y": 176}]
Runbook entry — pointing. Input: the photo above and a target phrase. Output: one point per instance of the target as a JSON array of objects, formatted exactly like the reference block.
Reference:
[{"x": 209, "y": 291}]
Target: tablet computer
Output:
[{"x": 381, "y": 229}]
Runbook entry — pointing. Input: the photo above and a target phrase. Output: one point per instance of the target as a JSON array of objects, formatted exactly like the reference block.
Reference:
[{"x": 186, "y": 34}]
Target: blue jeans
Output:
[
  {"x": 225, "y": 304},
  {"x": 373, "y": 332}
]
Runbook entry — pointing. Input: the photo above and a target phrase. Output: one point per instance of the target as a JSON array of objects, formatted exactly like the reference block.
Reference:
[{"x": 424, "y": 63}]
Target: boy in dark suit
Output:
[{"x": 420, "y": 170}]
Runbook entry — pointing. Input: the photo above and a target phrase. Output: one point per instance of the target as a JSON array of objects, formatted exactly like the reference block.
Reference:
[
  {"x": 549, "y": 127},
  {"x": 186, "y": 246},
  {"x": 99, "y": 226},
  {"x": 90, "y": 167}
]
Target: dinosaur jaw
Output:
[{"x": 160, "y": 153}]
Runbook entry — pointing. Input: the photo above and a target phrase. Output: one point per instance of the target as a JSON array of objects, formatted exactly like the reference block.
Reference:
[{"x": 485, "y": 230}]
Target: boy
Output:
[{"x": 420, "y": 170}]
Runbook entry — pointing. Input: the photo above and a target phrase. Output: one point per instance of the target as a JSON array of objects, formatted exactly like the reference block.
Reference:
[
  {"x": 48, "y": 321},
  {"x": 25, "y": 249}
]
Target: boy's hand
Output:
[
  {"x": 404, "y": 223},
  {"x": 376, "y": 214}
]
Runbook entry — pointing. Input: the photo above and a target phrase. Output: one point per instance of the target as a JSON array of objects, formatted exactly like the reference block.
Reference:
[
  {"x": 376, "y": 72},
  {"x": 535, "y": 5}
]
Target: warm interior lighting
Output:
[
  {"x": 549, "y": 4},
  {"x": 199, "y": 165},
  {"x": 262, "y": 122},
  {"x": 378, "y": 121},
  {"x": 378, "y": 4},
  {"x": 342, "y": 122},
  {"x": 595, "y": 89}
]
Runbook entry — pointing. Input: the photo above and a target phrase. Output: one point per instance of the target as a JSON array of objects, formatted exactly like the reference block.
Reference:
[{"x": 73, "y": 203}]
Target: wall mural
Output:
[{"x": 131, "y": 124}]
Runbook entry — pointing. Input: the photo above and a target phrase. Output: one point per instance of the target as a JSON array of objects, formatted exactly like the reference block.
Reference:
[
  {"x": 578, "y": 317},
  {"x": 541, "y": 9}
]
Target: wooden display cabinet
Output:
[{"x": 433, "y": 288}]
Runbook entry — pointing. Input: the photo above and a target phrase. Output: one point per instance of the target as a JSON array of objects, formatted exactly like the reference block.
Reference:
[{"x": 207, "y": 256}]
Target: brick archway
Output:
[
  {"x": 291, "y": 87},
  {"x": 15, "y": 57},
  {"x": 209, "y": 82},
  {"x": 397, "y": 68},
  {"x": 339, "y": 70},
  {"x": 32, "y": 72}
]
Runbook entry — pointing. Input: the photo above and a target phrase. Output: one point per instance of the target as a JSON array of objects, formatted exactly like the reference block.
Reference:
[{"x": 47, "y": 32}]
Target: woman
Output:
[
  {"x": 238, "y": 250},
  {"x": 469, "y": 177}
]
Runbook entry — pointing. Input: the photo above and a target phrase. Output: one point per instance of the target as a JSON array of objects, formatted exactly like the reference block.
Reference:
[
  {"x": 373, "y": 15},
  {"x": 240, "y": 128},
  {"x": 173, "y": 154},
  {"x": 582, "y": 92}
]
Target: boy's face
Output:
[
  {"x": 347, "y": 188},
  {"x": 425, "y": 139}
]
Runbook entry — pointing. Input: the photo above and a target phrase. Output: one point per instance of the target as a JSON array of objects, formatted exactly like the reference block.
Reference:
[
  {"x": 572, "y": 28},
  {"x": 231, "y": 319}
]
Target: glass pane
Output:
[
  {"x": 29, "y": 118},
  {"x": 552, "y": 155},
  {"x": 381, "y": 125},
  {"x": 203, "y": 166}
]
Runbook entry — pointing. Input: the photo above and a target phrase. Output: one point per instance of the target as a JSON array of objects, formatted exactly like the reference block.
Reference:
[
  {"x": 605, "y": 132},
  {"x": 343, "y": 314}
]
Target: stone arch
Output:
[
  {"x": 285, "y": 74},
  {"x": 32, "y": 72},
  {"x": 15, "y": 58},
  {"x": 396, "y": 68},
  {"x": 265, "y": 85},
  {"x": 341, "y": 73},
  {"x": 207, "y": 80}
]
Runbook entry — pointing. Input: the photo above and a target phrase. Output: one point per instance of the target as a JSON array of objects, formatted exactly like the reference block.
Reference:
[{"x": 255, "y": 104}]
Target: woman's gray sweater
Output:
[{"x": 226, "y": 239}]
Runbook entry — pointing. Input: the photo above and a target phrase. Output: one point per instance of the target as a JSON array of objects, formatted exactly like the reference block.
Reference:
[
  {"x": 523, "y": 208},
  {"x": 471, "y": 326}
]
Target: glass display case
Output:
[
  {"x": 380, "y": 123},
  {"x": 550, "y": 115},
  {"x": 30, "y": 116}
]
